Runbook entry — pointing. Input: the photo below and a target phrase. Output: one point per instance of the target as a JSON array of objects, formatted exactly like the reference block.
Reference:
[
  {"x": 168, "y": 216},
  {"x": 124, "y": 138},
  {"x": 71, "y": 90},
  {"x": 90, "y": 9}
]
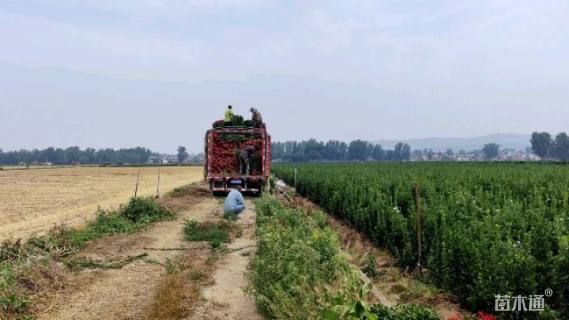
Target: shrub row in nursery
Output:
[
  {"x": 298, "y": 272},
  {"x": 487, "y": 229}
]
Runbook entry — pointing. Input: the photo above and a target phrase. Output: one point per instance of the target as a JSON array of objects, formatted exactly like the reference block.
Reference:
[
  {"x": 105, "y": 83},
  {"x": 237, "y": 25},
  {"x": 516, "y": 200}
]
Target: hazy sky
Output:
[{"x": 157, "y": 73}]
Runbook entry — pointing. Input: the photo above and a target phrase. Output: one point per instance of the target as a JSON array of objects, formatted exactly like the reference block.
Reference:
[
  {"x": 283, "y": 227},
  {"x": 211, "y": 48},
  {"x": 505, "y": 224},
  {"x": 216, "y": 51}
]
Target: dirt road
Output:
[
  {"x": 130, "y": 292},
  {"x": 225, "y": 299}
]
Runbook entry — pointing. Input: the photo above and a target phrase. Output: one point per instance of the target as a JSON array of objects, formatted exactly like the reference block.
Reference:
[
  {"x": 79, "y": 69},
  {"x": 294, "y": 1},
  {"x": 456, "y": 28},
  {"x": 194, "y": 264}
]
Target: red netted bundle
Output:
[{"x": 225, "y": 150}]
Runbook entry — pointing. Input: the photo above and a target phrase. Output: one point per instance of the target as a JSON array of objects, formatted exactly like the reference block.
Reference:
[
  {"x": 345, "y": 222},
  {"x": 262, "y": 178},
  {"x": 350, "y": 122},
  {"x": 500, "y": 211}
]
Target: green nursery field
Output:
[{"x": 487, "y": 229}]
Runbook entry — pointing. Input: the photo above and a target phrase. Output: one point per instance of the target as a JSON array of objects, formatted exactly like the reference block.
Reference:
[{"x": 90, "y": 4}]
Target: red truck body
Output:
[{"x": 222, "y": 147}]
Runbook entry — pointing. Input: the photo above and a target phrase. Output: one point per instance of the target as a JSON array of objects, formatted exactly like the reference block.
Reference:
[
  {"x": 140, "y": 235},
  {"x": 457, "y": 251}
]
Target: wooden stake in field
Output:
[
  {"x": 294, "y": 179},
  {"x": 158, "y": 185},
  {"x": 136, "y": 188},
  {"x": 419, "y": 269}
]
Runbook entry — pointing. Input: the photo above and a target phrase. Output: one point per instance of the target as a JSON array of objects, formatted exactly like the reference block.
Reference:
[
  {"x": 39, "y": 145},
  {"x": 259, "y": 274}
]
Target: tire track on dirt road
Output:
[{"x": 226, "y": 298}]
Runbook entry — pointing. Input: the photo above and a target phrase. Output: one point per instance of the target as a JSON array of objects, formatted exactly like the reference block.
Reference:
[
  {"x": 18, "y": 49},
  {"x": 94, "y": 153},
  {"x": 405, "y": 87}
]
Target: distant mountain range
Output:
[{"x": 505, "y": 140}]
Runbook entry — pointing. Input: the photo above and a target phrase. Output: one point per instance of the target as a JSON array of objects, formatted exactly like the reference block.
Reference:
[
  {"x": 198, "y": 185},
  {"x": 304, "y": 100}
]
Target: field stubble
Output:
[{"x": 33, "y": 201}]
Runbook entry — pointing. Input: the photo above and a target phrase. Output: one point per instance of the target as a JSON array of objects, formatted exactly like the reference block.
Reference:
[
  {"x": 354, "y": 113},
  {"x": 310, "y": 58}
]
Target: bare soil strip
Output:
[{"x": 226, "y": 298}]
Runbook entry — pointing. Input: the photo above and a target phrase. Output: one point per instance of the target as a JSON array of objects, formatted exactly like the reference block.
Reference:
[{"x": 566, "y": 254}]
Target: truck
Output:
[{"x": 223, "y": 145}]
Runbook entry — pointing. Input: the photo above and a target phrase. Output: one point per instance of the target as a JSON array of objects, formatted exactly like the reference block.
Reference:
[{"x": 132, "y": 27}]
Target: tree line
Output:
[
  {"x": 548, "y": 148},
  {"x": 74, "y": 155},
  {"x": 333, "y": 150}
]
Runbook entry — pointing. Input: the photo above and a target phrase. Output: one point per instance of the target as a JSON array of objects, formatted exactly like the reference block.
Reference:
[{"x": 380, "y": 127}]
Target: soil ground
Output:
[
  {"x": 225, "y": 299},
  {"x": 131, "y": 292}
]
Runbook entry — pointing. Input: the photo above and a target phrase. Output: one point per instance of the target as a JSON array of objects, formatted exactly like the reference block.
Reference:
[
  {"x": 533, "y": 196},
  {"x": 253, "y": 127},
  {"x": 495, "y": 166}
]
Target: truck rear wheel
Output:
[
  {"x": 259, "y": 193},
  {"x": 215, "y": 193}
]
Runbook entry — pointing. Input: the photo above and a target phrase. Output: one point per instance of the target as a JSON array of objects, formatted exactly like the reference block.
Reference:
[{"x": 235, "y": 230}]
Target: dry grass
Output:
[
  {"x": 35, "y": 200},
  {"x": 184, "y": 198},
  {"x": 24, "y": 167},
  {"x": 179, "y": 291}
]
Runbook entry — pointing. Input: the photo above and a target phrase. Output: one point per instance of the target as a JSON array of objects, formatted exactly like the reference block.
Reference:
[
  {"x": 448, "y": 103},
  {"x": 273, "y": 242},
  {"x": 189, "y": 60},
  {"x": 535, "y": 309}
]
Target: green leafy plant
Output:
[
  {"x": 179, "y": 191},
  {"x": 145, "y": 210},
  {"x": 404, "y": 312},
  {"x": 14, "y": 304},
  {"x": 296, "y": 264},
  {"x": 487, "y": 228},
  {"x": 230, "y": 216},
  {"x": 370, "y": 268},
  {"x": 215, "y": 232},
  {"x": 346, "y": 307}
]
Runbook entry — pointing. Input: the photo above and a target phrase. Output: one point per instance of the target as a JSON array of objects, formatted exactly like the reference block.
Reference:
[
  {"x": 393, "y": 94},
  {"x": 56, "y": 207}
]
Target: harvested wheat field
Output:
[{"x": 34, "y": 200}]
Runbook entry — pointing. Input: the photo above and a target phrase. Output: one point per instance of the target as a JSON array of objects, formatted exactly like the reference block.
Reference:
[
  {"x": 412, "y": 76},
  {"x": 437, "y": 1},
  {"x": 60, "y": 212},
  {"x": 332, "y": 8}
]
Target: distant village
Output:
[
  {"x": 172, "y": 159},
  {"x": 472, "y": 155}
]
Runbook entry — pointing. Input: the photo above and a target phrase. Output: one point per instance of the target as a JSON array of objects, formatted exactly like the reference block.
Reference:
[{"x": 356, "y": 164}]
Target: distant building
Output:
[
  {"x": 154, "y": 159},
  {"x": 170, "y": 159},
  {"x": 163, "y": 159}
]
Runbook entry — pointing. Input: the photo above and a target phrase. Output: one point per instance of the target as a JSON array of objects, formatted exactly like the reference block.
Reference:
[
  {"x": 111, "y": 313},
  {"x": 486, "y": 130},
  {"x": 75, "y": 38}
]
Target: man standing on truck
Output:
[
  {"x": 245, "y": 156},
  {"x": 228, "y": 119},
  {"x": 234, "y": 202},
  {"x": 256, "y": 117}
]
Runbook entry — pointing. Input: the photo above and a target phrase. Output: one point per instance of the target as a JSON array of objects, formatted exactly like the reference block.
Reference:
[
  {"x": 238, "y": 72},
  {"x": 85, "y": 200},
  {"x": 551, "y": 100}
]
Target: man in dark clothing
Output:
[
  {"x": 256, "y": 118},
  {"x": 245, "y": 156}
]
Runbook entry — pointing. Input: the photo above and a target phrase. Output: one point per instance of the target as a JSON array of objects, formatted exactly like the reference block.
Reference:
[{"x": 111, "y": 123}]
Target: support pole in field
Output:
[
  {"x": 158, "y": 185},
  {"x": 136, "y": 188},
  {"x": 295, "y": 173},
  {"x": 417, "y": 192}
]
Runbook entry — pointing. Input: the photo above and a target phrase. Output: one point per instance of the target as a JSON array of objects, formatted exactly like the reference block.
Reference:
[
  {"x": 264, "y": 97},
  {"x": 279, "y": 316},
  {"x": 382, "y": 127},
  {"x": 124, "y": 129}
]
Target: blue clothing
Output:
[{"x": 234, "y": 202}]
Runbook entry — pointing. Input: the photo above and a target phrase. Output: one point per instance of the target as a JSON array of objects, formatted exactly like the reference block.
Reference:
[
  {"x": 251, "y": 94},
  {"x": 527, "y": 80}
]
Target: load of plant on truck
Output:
[
  {"x": 226, "y": 149},
  {"x": 238, "y": 155}
]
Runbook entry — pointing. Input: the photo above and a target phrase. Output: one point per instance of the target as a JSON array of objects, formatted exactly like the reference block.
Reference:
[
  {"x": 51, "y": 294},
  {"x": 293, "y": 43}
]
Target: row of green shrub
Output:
[
  {"x": 17, "y": 258},
  {"x": 487, "y": 229},
  {"x": 128, "y": 219},
  {"x": 299, "y": 273}
]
